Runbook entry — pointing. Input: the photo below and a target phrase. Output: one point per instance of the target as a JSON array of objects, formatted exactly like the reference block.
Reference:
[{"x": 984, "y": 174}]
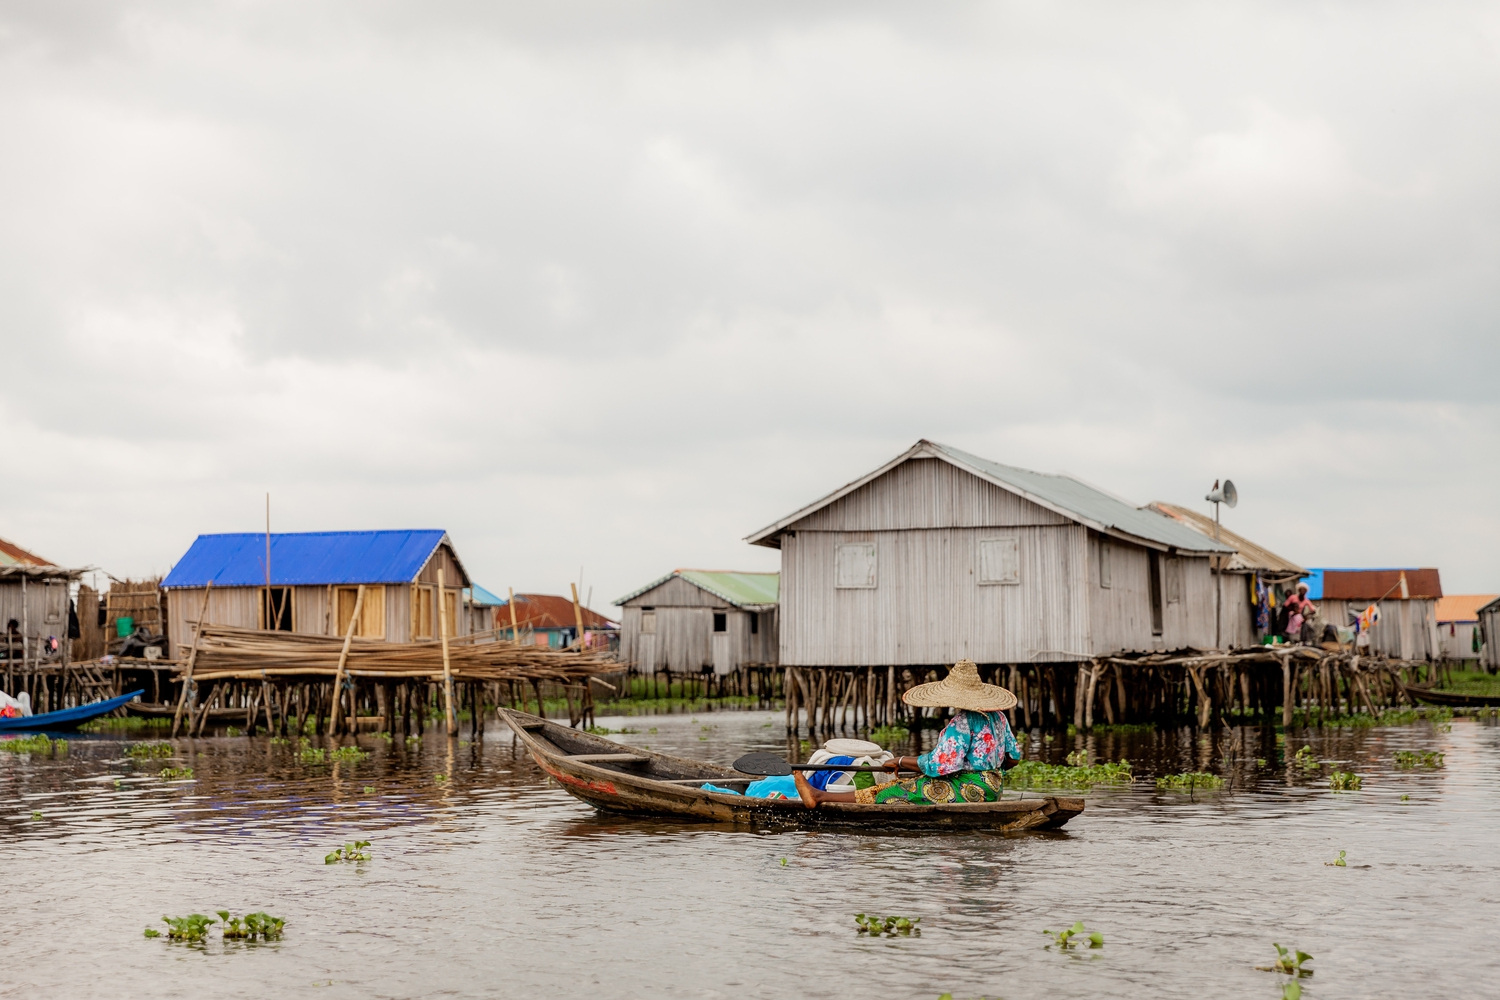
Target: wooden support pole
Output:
[
  {"x": 187, "y": 677},
  {"x": 452, "y": 718},
  {"x": 338, "y": 674}
]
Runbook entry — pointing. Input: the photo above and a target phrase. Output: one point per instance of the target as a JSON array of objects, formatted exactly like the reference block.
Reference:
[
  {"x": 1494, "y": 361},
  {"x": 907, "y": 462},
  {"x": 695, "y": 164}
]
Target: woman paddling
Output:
[{"x": 971, "y": 752}]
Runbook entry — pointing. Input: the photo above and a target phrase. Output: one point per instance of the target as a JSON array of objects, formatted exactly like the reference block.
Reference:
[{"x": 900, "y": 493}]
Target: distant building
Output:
[
  {"x": 483, "y": 608},
  {"x": 550, "y": 620},
  {"x": 939, "y": 555},
  {"x": 1237, "y": 576},
  {"x": 1458, "y": 626},
  {"x": 1489, "y": 636},
  {"x": 34, "y": 596},
  {"x": 315, "y": 579},
  {"x": 701, "y": 621},
  {"x": 1406, "y": 599}
]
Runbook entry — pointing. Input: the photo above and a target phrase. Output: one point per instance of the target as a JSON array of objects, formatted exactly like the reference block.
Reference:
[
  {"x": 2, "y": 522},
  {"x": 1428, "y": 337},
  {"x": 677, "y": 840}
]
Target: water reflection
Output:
[{"x": 486, "y": 880}]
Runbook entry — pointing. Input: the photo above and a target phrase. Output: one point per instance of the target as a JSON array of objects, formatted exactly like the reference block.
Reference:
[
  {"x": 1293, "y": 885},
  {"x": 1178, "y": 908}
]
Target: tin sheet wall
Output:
[
  {"x": 41, "y": 612},
  {"x": 1407, "y": 630},
  {"x": 928, "y": 605}
]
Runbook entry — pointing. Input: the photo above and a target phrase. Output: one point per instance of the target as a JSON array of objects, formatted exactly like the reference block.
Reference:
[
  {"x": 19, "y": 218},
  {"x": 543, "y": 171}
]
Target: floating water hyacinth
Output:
[
  {"x": 1289, "y": 962},
  {"x": 1064, "y": 940},
  {"x": 32, "y": 744},
  {"x": 146, "y": 750},
  {"x": 251, "y": 926},
  {"x": 174, "y": 773},
  {"x": 1307, "y": 759},
  {"x": 1035, "y": 774},
  {"x": 1412, "y": 758},
  {"x": 193, "y": 927},
  {"x": 349, "y": 852},
  {"x": 1338, "y": 862},
  {"x": 351, "y": 754},
  {"x": 888, "y": 926},
  {"x": 1345, "y": 781},
  {"x": 1189, "y": 782}
]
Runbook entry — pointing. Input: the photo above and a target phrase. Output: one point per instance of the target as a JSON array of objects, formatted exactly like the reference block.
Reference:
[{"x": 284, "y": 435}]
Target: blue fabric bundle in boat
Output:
[
  {"x": 715, "y": 788},
  {"x": 820, "y": 779},
  {"x": 767, "y": 788}
]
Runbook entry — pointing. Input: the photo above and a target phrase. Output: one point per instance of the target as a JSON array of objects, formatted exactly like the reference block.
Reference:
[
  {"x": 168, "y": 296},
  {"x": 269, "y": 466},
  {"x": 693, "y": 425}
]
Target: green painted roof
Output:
[{"x": 739, "y": 589}]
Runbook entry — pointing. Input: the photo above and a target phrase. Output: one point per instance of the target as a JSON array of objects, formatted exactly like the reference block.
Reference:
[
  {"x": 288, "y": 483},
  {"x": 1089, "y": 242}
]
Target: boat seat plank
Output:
[{"x": 609, "y": 758}]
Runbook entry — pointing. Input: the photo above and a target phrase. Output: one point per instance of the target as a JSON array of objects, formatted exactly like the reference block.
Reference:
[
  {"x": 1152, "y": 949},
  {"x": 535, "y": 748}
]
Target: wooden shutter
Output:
[
  {"x": 854, "y": 566},
  {"x": 1000, "y": 560}
]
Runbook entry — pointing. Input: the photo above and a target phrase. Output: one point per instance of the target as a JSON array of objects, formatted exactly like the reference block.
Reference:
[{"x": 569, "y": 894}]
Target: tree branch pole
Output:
[
  {"x": 187, "y": 678},
  {"x": 338, "y": 674},
  {"x": 452, "y": 719}
]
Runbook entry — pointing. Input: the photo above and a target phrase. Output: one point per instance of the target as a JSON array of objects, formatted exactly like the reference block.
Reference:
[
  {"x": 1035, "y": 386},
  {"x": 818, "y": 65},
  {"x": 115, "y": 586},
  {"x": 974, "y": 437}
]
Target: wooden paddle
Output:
[{"x": 773, "y": 766}]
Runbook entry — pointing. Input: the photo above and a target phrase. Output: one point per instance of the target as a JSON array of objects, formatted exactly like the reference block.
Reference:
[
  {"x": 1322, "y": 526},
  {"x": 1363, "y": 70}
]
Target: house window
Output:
[
  {"x": 1154, "y": 571},
  {"x": 1173, "y": 567},
  {"x": 648, "y": 621},
  {"x": 755, "y": 623},
  {"x": 276, "y": 609},
  {"x": 1104, "y": 570},
  {"x": 1000, "y": 560},
  {"x": 854, "y": 566},
  {"x": 721, "y": 622},
  {"x": 371, "y": 611}
]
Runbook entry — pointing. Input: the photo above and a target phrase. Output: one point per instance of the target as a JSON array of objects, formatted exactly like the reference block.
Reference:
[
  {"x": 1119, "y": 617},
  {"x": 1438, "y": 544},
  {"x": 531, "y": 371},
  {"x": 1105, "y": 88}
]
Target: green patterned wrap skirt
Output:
[{"x": 966, "y": 786}]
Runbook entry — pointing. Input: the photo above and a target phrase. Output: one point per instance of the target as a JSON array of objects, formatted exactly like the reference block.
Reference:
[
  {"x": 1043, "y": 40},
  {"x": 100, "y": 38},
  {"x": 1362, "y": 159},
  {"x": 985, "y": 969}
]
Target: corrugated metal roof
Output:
[
  {"x": 743, "y": 590},
  {"x": 1063, "y": 494},
  {"x": 1248, "y": 555},
  {"x": 542, "y": 611},
  {"x": 1371, "y": 584},
  {"x": 483, "y": 598},
  {"x": 305, "y": 558},
  {"x": 12, "y": 554},
  {"x": 1462, "y": 607}
]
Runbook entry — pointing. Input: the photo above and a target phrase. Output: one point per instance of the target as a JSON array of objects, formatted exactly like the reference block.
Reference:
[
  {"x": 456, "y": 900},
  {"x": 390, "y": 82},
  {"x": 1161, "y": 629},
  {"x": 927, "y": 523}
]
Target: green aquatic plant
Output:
[
  {"x": 783, "y": 862},
  {"x": 1291, "y": 990},
  {"x": 1289, "y": 962},
  {"x": 234, "y": 731},
  {"x": 349, "y": 852},
  {"x": 1338, "y": 862},
  {"x": 349, "y": 754},
  {"x": 1078, "y": 758},
  {"x": 440, "y": 778},
  {"x": 193, "y": 927},
  {"x": 1345, "y": 781},
  {"x": 33, "y": 744},
  {"x": 1412, "y": 758},
  {"x": 889, "y": 926},
  {"x": 128, "y": 724},
  {"x": 35, "y": 815},
  {"x": 1035, "y": 774},
  {"x": 1307, "y": 759},
  {"x": 387, "y": 737},
  {"x": 311, "y": 754},
  {"x": 174, "y": 773},
  {"x": 151, "y": 932},
  {"x": 280, "y": 741},
  {"x": 369, "y": 789},
  {"x": 888, "y": 735},
  {"x": 1189, "y": 782},
  {"x": 1063, "y": 940},
  {"x": 146, "y": 750}
]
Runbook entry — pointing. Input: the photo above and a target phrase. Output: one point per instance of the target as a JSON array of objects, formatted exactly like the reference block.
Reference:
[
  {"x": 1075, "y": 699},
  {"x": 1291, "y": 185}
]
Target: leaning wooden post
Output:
[
  {"x": 447, "y": 668},
  {"x": 1093, "y": 686},
  {"x": 577, "y": 615},
  {"x": 1286, "y": 693},
  {"x": 515, "y": 634},
  {"x": 338, "y": 674},
  {"x": 187, "y": 677}
]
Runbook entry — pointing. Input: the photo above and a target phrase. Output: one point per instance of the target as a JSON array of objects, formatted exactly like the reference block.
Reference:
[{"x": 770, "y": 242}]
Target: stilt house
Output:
[
  {"x": 1406, "y": 598},
  {"x": 315, "y": 577},
  {"x": 1235, "y": 577},
  {"x": 34, "y": 605},
  {"x": 1489, "y": 636},
  {"x": 939, "y": 555},
  {"x": 701, "y": 621},
  {"x": 1458, "y": 626}
]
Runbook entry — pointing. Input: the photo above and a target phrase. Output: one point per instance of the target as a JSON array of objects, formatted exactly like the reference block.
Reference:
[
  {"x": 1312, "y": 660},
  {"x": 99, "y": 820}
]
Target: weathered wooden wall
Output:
[
  {"x": 684, "y": 639},
  {"x": 39, "y": 606},
  {"x": 1489, "y": 654},
  {"x": 1407, "y": 630}
]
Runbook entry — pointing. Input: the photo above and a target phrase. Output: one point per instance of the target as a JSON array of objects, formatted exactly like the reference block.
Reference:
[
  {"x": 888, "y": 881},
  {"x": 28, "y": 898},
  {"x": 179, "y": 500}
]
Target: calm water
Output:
[{"x": 493, "y": 883}]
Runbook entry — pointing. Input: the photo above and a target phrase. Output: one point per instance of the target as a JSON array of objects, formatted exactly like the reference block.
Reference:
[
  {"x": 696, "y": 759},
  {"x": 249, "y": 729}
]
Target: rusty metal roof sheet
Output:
[{"x": 1248, "y": 555}]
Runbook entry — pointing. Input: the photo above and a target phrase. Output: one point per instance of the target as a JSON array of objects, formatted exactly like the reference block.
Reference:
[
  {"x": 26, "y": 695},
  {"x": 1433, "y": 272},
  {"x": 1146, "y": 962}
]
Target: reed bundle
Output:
[{"x": 226, "y": 653}]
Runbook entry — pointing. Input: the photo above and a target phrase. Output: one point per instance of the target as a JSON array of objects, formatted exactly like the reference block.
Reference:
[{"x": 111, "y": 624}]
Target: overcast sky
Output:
[{"x": 612, "y": 285}]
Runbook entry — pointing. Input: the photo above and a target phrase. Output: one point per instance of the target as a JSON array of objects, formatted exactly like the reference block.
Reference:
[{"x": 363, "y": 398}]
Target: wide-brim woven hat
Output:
[{"x": 962, "y": 688}]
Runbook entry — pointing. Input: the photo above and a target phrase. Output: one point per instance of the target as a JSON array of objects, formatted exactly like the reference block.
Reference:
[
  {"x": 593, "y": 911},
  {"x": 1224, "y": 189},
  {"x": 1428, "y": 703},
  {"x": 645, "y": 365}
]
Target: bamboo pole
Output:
[
  {"x": 452, "y": 719},
  {"x": 187, "y": 679},
  {"x": 515, "y": 634},
  {"x": 338, "y": 674},
  {"x": 577, "y": 615}
]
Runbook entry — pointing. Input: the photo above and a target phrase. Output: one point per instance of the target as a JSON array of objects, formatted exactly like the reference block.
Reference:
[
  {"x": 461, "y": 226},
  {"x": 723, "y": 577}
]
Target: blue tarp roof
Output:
[
  {"x": 484, "y": 598},
  {"x": 305, "y": 558}
]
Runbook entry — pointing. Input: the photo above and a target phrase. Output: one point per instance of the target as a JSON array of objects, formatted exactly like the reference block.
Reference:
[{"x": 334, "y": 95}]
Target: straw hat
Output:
[{"x": 962, "y": 688}]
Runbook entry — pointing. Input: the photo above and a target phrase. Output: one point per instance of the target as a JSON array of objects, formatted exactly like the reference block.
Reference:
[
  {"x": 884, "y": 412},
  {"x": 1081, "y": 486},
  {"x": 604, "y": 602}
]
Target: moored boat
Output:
[
  {"x": 1452, "y": 699},
  {"x": 616, "y": 778},
  {"x": 67, "y": 718}
]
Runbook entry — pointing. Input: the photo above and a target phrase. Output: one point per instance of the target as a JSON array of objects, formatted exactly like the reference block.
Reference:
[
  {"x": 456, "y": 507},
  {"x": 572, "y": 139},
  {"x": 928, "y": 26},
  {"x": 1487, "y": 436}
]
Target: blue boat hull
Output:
[{"x": 68, "y": 718}]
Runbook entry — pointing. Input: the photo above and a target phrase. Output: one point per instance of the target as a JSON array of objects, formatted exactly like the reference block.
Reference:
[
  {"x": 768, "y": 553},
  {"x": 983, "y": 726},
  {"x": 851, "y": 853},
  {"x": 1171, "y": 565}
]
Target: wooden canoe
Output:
[
  {"x": 64, "y": 718},
  {"x": 1453, "y": 699},
  {"x": 617, "y": 778}
]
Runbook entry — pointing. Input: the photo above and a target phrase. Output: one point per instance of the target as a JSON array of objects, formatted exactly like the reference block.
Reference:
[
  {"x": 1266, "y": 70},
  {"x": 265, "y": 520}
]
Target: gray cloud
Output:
[{"x": 616, "y": 284}]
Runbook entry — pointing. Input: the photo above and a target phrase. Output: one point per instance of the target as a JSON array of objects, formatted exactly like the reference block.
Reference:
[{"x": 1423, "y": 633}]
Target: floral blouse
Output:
[{"x": 972, "y": 741}]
